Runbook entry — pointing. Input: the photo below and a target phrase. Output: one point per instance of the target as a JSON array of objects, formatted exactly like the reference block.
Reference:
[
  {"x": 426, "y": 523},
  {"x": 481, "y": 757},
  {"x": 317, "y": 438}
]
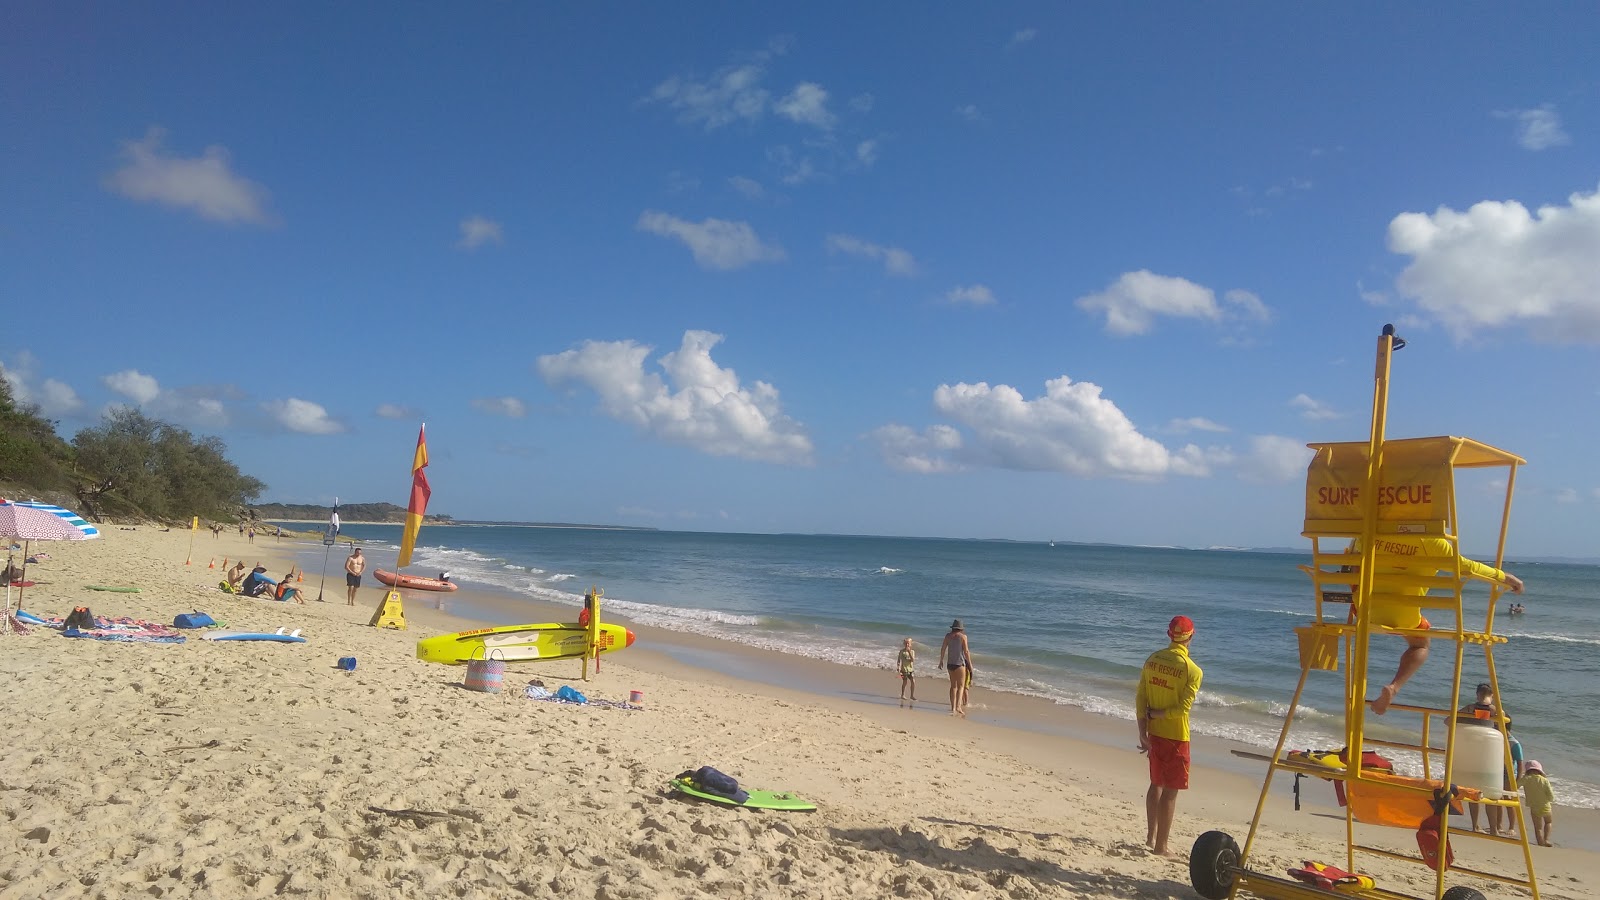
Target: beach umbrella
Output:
[{"x": 37, "y": 522}]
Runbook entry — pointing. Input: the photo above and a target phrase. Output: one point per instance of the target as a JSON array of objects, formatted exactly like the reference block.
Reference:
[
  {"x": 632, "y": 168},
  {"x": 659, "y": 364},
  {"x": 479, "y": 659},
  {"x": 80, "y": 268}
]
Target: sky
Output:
[{"x": 1040, "y": 271}]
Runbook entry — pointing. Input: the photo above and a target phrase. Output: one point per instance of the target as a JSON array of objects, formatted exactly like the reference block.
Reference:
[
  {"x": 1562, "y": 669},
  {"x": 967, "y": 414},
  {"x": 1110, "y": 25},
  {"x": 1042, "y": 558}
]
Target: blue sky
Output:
[{"x": 1035, "y": 271}]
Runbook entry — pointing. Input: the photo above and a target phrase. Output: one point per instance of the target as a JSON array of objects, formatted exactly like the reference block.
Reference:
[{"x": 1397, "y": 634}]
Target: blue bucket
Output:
[{"x": 347, "y": 663}]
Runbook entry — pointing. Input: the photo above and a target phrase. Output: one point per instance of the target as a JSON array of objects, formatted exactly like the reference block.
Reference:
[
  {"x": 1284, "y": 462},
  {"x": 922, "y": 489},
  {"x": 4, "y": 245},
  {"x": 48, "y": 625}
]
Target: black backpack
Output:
[{"x": 79, "y": 619}]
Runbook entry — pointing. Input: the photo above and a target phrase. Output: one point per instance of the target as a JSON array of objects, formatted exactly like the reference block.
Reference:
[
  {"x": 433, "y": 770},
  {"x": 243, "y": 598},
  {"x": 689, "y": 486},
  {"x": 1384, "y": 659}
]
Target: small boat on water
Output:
[{"x": 415, "y": 582}]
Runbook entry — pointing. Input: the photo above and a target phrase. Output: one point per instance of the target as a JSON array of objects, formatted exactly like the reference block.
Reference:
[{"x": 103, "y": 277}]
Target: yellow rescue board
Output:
[{"x": 514, "y": 643}]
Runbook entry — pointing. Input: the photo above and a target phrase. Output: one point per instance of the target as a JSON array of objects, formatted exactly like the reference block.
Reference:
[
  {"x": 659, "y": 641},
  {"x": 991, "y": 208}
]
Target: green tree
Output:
[
  {"x": 30, "y": 451},
  {"x": 162, "y": 470}
]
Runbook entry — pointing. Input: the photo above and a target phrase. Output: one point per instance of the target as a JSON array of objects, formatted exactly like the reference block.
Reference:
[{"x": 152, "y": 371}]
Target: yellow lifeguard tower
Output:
[{"x": 1381, "y": 516}]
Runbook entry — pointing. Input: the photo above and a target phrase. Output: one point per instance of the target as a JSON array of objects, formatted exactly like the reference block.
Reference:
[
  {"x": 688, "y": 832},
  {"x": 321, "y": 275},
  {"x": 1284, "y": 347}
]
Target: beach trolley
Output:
[{"x": 1381, "y": 517}]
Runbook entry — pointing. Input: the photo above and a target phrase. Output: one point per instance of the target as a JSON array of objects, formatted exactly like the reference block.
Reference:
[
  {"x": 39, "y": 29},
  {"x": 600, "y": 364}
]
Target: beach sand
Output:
[{"x": 261, "y": 769}]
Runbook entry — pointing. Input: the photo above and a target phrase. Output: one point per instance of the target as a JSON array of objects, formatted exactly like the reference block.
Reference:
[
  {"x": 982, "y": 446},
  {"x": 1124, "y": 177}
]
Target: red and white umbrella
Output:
[{"x": 35, "y": 523}]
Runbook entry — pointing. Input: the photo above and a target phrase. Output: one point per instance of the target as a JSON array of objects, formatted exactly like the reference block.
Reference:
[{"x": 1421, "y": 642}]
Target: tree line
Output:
[{"x": 128, "y": 465}]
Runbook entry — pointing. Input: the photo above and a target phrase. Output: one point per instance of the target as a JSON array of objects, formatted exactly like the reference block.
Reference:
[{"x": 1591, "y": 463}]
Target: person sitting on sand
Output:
[
  {"x": 235, "y": 575},
  {"x": 1439, "y": 551},
  {"x": 955, "y": 656},
  {"x": 257, "y": 583},
  {"x": 286, "y": 590}
]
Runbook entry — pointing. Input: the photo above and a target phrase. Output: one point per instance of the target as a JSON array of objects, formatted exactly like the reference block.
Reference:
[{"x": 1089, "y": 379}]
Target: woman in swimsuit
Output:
[{"x": 956, "y": 658}]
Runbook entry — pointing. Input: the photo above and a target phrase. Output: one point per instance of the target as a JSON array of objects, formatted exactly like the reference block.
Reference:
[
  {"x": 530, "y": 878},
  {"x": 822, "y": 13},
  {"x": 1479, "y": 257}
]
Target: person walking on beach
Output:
[
  {"x": 1168, "y": 685},
  {"x": 1541, "y": 801},
  {"x": 353, "y": 567},
  {"x": 1416, "y": 652},
  {"x": 956, "y": 658},
  {"x": 906, "y": 663}
]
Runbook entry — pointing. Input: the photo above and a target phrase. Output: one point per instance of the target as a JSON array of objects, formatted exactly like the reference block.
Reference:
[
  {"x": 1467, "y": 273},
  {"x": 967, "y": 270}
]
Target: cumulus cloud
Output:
[
  {"x": 302, "y": 416},
  {"x": 477, "y": 231},
  {"x": 1071, "y": 429},
  {"x": 925, "y": 453},
  {"x": 1538, "y": 128},
  {"x": 1312, "y": 409},
  {"x": 715, "y": 243},
  {"x": 732, "y": 94},
  {"x": 1497, "y": 265},
  {"x": 1022, "y": 36},
  {"x": 698, "y": 404},
  {"x": 970, "y": 295},
  {"x": 1132, "y": 303},
  {"x": 510, "y": 407},
  {"x": 1194, "y": 423},
  {"x": 1273, "y": 458},
  {"x": 396, "y": 411},
  {"x": 749, "y": 187},
  {"x": 896, "y": 261},
  {"x": 867, "y": 152},
  {"x": 133, "y": 384},
  {"x": 807, "y": 104},
  {"x": 793, "y": 168},
  {"x": 205, "y": 185},
  {"x": 970, "y": 112},
  {"x": 54, "y": 398}
]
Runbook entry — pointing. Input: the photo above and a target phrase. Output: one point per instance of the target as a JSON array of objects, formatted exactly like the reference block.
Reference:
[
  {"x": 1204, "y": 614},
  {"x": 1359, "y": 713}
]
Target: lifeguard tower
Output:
[{"x": 1381, "y": 516}]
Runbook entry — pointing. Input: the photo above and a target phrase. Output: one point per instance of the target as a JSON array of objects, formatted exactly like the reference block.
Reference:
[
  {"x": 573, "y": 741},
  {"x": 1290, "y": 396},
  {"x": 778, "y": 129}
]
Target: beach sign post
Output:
[
  {"x": 389, "y": 613},
  {"x": 194, "y": 526},
  {"x": 329, "y": 537}
]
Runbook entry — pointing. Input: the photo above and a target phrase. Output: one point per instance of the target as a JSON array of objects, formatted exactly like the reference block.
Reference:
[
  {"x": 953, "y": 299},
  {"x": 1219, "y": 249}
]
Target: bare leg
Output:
[
  {"x": 913, "y": 689},
  {"x": 1152, "y": 815},
  {"x": 1472, "y": 813},
  {"x": 958, "y": 677},
  {"x": 1410, "y": 661},
  {"x": 1166, "y": 811}
]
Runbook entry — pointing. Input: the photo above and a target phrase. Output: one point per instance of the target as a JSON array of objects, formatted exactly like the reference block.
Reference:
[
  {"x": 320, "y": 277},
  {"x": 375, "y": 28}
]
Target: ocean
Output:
[{"x": 1070, "y": 623}]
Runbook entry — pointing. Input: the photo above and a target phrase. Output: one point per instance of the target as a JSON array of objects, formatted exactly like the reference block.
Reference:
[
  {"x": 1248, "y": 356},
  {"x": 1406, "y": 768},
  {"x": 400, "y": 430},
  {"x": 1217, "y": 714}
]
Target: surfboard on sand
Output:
[
  {"x": 783, "y": 800},
  {"x": 280, "y": 636},
  {"x": 514, "y": 643}
]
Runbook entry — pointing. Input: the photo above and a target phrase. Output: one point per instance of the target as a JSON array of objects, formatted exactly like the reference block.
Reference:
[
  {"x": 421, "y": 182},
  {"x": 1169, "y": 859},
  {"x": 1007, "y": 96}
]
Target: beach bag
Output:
[
  {"x": 80, "y": 618},
  {"x": 195, "y": 619},
  {"x": 486, "y": 675}
]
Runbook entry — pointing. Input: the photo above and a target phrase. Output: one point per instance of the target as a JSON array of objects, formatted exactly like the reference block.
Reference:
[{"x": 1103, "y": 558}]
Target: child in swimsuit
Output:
[{"x": 906, "y": 663}]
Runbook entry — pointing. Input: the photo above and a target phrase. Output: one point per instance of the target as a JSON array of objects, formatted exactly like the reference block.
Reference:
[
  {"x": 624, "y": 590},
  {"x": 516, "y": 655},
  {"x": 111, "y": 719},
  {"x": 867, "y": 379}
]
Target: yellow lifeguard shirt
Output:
[
  {"x": 1417, "y": 545},
  {"x": 1170, "y": 681}
]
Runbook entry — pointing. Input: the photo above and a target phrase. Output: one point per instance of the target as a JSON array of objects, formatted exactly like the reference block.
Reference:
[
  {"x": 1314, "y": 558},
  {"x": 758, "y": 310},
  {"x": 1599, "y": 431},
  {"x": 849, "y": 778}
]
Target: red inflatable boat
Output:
[{"x": 415, "y": 582}]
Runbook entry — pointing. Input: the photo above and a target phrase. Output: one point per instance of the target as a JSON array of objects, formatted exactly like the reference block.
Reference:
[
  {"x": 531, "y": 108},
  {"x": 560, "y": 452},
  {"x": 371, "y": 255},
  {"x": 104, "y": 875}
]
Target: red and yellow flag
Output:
[{"x": 419, "y": 498}]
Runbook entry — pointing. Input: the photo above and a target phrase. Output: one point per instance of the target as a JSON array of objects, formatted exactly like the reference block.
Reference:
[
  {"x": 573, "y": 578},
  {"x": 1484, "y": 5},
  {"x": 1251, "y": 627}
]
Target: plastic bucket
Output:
[
  {"x": 636, "y": 697},
  {"x": 347, "y": 663}
]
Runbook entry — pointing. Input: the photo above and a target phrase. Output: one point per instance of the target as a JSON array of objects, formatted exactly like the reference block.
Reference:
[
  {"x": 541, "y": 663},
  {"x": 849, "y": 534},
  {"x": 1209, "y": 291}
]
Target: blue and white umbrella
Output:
[{"x": 73, "y": 519}]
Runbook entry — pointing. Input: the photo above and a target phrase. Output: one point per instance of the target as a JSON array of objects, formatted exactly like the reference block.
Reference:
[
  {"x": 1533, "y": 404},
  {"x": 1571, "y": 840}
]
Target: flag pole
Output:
[{"x": 330, "y": 536}]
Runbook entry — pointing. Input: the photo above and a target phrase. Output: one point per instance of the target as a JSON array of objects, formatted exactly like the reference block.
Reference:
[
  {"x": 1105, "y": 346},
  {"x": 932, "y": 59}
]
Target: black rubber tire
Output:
[
  {"x": 1212, "y": 863},
  {"x": 1462, "y": 892}
]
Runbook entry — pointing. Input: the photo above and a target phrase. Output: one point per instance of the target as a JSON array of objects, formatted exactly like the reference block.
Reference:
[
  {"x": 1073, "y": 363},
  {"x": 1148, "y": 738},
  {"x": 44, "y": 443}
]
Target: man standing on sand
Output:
[
  {"x": 1167, "y": 688},
  {"x": 353, "y": 567}
]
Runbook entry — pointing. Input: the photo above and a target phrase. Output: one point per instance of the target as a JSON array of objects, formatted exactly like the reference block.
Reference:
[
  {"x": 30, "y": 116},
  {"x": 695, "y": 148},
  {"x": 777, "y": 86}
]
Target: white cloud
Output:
[
  {"x": 807, "y": 104},
  {"x": 1022, "y": 36},
  {"x": 1312, "y": 409},
  {"x": 133, "y": 384},
  {"x": 1194, "y": 423},
  {"x": 396, "y": 411},
  {"x": 1132, "y": 302},
  {"x": 205, "y": 185},
  {"x": 895, "y": 260},
  {"x": 1567, "y": 495},
  {"x": 1274, "y": 458},
  {"x": 698, "y": 404},
  {"x": 1071, "y": 429},
  {"x": 54, "y": 398},
  {"x": 477, "y": 231},
  {"x": 792, "y": 168},
  {"x": 970, "y": 294},
  {"x": 1538, "y": 128},
  {"x": 867, "y": 152},
  {"x": 510, "y": 407},
  {"x": 1371, "y": 298},
  {"x": 715, "y": 243},
  {"x": 925, "y": 453},
  {"x": 302, "y": 416},
  {"x": 1496, "y": 265},
  {"x": 731, "y": 94},
  {"x": 749, "y": 187},
  {"x": 970, "y": 112},
  {"x": 1247, "y": 306}
]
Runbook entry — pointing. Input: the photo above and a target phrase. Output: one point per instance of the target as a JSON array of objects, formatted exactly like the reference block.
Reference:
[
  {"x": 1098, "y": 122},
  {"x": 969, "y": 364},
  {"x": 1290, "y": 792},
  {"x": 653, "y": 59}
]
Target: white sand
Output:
[{"x": 259, "y": 769}]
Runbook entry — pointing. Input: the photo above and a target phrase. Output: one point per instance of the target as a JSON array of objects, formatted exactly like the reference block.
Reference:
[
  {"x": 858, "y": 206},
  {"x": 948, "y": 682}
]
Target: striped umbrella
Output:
[{"x": 72, "y": 518}]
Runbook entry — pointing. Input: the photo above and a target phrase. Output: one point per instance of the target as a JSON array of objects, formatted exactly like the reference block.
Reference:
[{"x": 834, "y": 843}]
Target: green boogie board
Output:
[
  {"x": 104, "y": 587},
  {"x": 758, "y": 799}
]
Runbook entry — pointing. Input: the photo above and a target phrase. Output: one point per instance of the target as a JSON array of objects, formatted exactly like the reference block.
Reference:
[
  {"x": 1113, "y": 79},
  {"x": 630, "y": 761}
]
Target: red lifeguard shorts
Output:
[{"x": 1169, "y": 763}]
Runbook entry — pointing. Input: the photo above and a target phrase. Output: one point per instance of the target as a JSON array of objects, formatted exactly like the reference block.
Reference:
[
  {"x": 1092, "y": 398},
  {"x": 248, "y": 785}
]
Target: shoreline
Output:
[{"x": 244, "y": 770}]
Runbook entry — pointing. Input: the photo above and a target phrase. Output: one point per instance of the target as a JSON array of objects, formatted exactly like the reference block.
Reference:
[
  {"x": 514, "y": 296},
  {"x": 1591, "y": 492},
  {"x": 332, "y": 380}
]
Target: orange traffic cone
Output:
[
  {"x": 213, "y": 564},
  {"x": 301, "y": 577}
]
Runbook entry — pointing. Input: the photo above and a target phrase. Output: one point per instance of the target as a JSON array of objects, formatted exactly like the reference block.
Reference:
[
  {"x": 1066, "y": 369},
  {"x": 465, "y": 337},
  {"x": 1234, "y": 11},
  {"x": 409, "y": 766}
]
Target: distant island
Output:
[{"x": 351, "y": 512}]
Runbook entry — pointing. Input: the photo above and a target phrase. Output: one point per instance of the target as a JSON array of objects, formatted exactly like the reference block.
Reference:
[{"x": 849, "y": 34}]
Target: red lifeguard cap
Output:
[{"x": 1181, "y": 628}]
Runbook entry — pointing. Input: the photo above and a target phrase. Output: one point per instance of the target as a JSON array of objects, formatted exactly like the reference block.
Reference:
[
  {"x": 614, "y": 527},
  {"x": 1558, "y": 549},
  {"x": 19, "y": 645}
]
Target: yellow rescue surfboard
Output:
[{"x": 514, "y": 643}]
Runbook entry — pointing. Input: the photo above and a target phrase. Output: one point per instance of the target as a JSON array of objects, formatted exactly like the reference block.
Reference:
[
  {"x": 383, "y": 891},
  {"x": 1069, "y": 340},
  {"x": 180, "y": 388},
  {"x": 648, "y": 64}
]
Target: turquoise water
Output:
[{"x": 1069, "y": 623}]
